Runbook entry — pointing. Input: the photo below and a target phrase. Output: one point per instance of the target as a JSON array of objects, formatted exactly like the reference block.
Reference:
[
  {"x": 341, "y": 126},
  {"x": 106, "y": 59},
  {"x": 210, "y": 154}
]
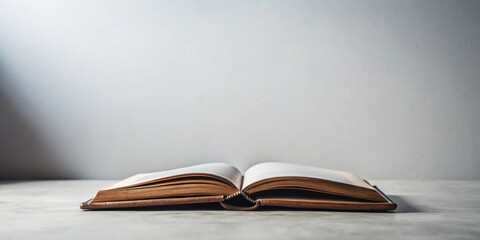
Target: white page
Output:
[
  {"x": 222, "y": 170},
  {"x": 277, "y": 169}
]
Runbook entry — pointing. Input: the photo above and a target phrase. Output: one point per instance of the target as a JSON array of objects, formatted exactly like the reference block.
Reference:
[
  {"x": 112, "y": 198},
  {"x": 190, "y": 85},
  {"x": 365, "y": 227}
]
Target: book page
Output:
[
  {"x": 277, "y": 169},
  {"x": 222, "y": 170}
]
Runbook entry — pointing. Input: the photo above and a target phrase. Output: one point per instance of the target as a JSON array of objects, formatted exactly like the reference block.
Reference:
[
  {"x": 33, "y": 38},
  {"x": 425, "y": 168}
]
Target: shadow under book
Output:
[{"x": 270, "y": 184}]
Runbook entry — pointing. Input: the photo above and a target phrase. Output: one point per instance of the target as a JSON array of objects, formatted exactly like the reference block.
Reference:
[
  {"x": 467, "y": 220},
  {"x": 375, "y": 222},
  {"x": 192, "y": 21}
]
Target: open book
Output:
[{"x": 266, "y": 184}]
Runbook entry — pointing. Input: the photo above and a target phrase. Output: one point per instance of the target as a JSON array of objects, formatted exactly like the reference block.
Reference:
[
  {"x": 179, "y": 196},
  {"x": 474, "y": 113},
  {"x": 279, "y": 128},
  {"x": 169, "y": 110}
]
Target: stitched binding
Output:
[{"x": 243, "y": 194}]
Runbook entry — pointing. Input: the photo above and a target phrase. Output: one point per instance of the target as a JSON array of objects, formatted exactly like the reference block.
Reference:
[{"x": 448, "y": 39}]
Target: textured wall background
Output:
[{"x": 106, "y": 89}]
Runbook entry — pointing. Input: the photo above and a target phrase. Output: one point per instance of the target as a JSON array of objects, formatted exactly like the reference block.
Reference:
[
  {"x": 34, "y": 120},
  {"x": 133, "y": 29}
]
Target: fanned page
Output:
[
  {"x": 268, "y": 170},
  {"x": 222, "y": 170}
]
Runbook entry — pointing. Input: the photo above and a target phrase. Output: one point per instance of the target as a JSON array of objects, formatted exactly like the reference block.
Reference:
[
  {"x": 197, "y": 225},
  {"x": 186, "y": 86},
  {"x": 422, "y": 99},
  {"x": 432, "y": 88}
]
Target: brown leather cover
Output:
[
  {"x": 90, "y": 204},
  {"x": 328, "y": 205}
]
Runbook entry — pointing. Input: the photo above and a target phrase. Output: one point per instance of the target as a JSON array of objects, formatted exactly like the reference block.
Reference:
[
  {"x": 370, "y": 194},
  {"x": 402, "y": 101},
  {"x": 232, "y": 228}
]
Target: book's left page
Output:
[{"x": 221, "y": 170}]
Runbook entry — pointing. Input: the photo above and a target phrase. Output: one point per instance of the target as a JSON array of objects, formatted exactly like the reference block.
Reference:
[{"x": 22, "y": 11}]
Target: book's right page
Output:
[{"x": 268, "y": 170}]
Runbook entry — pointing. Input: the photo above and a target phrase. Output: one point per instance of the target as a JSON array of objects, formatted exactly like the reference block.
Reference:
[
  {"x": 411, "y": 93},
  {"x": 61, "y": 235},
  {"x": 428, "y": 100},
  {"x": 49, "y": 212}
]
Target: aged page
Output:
[
  {"x": 277, "y": 169},
  {"x": 222, "y": 170}
]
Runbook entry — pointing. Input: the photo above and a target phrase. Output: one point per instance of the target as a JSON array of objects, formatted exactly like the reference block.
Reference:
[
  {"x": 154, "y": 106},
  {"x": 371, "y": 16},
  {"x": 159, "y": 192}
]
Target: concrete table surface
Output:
[{"x": 50, "y": 210}]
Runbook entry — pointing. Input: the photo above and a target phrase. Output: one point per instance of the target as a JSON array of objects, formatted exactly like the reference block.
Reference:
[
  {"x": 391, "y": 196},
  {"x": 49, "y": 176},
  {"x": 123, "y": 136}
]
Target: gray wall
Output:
[{"x": 106, "y": 89}]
